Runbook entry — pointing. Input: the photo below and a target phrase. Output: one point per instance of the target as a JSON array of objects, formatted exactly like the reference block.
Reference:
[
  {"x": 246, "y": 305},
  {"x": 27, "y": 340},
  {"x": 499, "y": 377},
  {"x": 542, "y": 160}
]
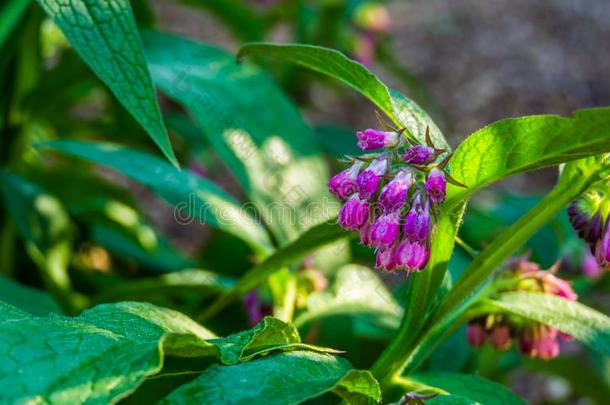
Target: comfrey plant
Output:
[{"x": 391, "y": 196}]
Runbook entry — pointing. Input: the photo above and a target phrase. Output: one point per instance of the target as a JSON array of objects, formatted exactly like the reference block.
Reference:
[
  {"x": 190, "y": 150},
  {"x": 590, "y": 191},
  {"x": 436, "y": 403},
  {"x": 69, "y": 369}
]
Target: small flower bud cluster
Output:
[
  {"x": 533, "y": 339},
  {"x": 390, "y": 198},
  {"x": 589, "y": 218}
]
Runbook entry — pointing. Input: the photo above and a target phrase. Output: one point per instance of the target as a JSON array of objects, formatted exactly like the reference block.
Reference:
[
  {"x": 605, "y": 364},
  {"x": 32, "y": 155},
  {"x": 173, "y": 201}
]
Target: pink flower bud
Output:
[
  {"x": 385, "y": 229},
  {"x": 475, "y": 334},
  {"x": 373, "y": 139},
  {"x": 602, "y": 248},
  {"x": 394, "y": 193},
  {"x": 500, "y": 337},
  {"x": 436, "y": 186},
  {"x": 344, "y": 184},
  {"x": 417, "y": 221},
  {"x": 419, "y": 155},
  {"x": 385, "y": 259},
  {"x": 413, "y": 256},
  {"x": 369, "y": 180},
  {"x": 354, "y": 213}
]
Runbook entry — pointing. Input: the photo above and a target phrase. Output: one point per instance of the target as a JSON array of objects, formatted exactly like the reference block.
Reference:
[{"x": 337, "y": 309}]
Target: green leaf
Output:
[
  {"x": 399, "y": 108},
  {"x": 201, "y": 199},
  {"x": 258, "y": 133},
  {"x": 316, "y": 237},
  {"x": 357, "y": 291},
  {"x": 104, "y": 34},
  {"x": 46, "y": 230},
  {"x": 516, "y": 145},
  {"x": 584, "y": 323},
  {"x": 98, "y": 357},
  {"x": 471, "y": 387},
  {"x": 284, "y": 378},
  {"x": 28, "y": 299},
  {"x": 10, "y": 14}
]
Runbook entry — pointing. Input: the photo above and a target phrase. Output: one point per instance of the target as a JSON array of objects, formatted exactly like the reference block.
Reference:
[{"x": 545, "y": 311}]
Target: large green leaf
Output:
[
  {"x": 517, "y": 145},
  {"x": 97, "y": 357},
  {"x": 585, "y": 324},
  {"x": 10, "y": 14},
  {"x": 473, "y": 388},
  {"x": 46, "y": 230},
  {"x": 26, "y": 298},
  {"x": 399, "y": 108},
  {"x": 104, "y": 34},
  {"x": 254, "y": 128},
  {"x": 286, "y": 378},
  {"x": 316, "y": 237},
  {"x": 357, "y": 291},
  {"x": 200, "y": 198}
]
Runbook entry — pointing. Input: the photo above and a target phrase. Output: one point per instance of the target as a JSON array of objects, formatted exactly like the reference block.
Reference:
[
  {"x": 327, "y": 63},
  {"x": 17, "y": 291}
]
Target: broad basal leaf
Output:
[
  {"x": 357, "y": 291},
  {"x": 585, "y": 324},
  {"x": 96, "y": 357},
  {"x": 254, "y": 128},
  {"x": 285, "y": 378},
  {"x": 402, "y": 110},
  {"x": 104, "y": 34},
  {"x": 316, "y": 237},
  {"x": 26, "y": 298},
  {"x": 470, "y": 387},
  {"x": 516, "y": 145},
  {"x": 193, "y": 196}
]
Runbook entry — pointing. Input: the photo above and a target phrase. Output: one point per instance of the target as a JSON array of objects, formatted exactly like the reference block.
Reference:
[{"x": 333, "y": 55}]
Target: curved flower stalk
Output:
[
  {"x": 589, "y": 216},
  {"x": 533, "y": 339},
  {"x": 392, "y": 197}
]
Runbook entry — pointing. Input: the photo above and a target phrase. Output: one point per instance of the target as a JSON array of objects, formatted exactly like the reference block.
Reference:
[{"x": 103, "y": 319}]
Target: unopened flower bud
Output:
[
  {"x": 500, "y": 337},
  {"x": 344, "y": 183},
  {"x": 419, "y": 155},
  {"x": 354, "y": 213},
  {"x": 602, "y": 248},
  {"x": 417, "y": 221},
  {"x": 370, "y": 139},
  {"x": 385, "y": 229},
  {"x": 394, "y": 193},
  {"x": 385, "y": 259},
  {"x": 436, "y": 186},
  {"x": 365, "y": 233},
  {"x": 590, "y": 266},
  {"x": 475, "y": 334},
  {"x": 368, "y": 181}
]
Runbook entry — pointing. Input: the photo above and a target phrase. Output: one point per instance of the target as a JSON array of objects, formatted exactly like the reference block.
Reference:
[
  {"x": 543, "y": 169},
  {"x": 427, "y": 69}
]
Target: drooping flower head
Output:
[
  {"x": 369, "y": 180},
  {"x": 344, "y": 184},
  {"x": 371, "y": 139}
]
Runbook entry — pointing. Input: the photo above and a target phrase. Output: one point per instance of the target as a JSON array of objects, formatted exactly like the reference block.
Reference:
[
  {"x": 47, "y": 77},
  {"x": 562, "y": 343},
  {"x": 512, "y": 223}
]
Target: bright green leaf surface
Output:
[
  {"x": 31, "y": 300},
  {"x": 585, "y": 324},
  {"x": 316, "y": 237},
  {"x": 104, "y": 34},
  {"x": 201, "y": 199},
  {"x": 471, "y": 387},
  {"x": 10, "y": 14},
  {"x": 96, "y": 357},
  {"x": 259, "y": 134},
  {"x": 334, "y": 64},
  {"x": 517, "y": 145},
  {"x": 286, "y": 378},
  {"x": 357, "y": 291}
]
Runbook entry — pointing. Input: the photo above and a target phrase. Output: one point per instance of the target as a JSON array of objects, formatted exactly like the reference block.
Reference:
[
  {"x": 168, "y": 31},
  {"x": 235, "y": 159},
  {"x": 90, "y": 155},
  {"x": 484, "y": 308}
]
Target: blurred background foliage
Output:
[{"x": 89, "y": 234}]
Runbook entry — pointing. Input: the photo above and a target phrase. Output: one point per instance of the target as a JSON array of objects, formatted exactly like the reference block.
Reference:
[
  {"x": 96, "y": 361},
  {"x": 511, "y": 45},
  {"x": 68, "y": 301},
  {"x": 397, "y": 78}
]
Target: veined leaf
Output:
[
  {"x": 475, "y": 389},
  {"x": 316, "y": 237},
  {"x": 399, "y": 108},
  {"x": 28, "y": 299},
  {"x": 517, "y": 145},
  {"x": 104, "y": 34},
  {"x": 357, "y": 291},
  {"x": 584, "y": 323},
  {"x": 200, "y": 198},
  {"x": 46, "y": 230},
  {"x": 254, "y": 128},
  {"x": 97, "y": 357},
  {"x": 284, "y": 378}
]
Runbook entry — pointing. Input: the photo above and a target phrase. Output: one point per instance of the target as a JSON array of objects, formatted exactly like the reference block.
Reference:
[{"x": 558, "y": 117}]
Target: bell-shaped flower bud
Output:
[
  {"x": 546, "y": 345},
  {"x": 589, "y": 265},
  {"x": 365, "y": 233},
  {"x": 385, "y": 230},
  {"x": 370, "y": 139},
  {"x": 419, "y": 155},
  {"x": 500, "y": 337},
  {"x": 368, "y": 181},
  {"x": 413, "y": 256},
  {"x": 344, "y": 183},
  {"x": 436, "y": 186},
  {"x": 394, "y": 193},
  {"x": 417, "y": 221},
  {"x": 354, "y": 213},
  {"x": 386, "y": 259},
  {"x": 475, "y": 334},
  {"x": 602, "y": 248}
]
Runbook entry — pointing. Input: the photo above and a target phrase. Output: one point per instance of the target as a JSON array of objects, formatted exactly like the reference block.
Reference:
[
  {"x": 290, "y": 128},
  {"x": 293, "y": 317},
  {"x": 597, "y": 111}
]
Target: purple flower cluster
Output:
[
  {"x": 533, "y": 339},
  {"x": 589, "y": 218},
  {"x": 390, "y": 198}
]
